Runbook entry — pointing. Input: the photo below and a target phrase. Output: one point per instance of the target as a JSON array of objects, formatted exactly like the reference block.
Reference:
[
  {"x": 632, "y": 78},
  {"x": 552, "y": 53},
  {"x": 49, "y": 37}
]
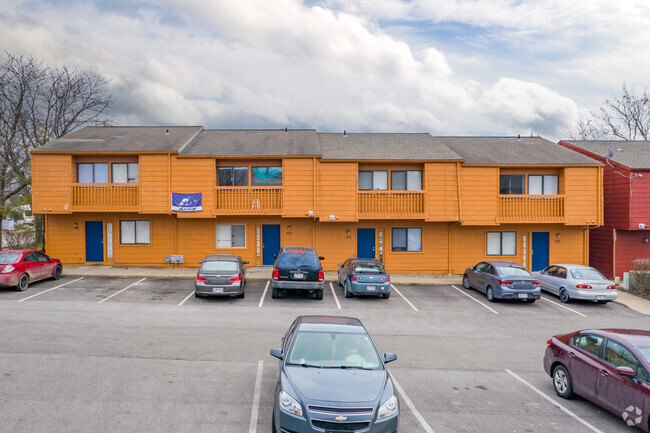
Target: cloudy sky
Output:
[{"x": 448, "y": 67}]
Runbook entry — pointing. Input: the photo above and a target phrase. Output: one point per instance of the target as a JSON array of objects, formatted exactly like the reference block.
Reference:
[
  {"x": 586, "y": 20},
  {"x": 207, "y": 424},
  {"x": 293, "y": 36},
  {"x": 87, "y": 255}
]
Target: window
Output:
[
  {"x": 94, "y": 172},
  {"x": 620, "y": 356},
  {"x": 231, "y": 236},
  {"x": 511, "y": 184},
  {"x": 125, "y": 172},
  {"x": 232, "y": 176},
  {"x": 407, "y": 239},
  {"x": 560, "y": 272},
  {"x": 501, "y": 243},
  {"x": 590, "y": 343},
  {"x": 135, "y": 232},
  {"x": 373, "y": 180},
  {"x": 542, "y": 184},
  {"x": 406, "y": 180},
  {"x": 266, "y": 176}
]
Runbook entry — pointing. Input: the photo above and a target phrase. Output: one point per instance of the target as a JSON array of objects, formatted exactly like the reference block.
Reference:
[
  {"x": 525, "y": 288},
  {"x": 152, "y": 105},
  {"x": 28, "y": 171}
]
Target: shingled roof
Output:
[
  {"x": 123, "y": 139},
  {"x": 254, "y": 142},
  {"x": 389, "y": 146},
  {"x": 513, "y": 151},
  {"x": 632, "y": 154}
]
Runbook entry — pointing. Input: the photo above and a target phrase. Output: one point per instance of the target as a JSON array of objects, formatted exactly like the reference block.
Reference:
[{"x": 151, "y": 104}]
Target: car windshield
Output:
[
  {"x": 220, "y": 265},
  {"x": 368, "y": 267},
  {"x": 334, "y": 350},
  {"x": 298, "y": 260},
  {"x": 509, "y": 271},
  {"x": 9, "y": 257},
  {"x": 645, "y": 352},
  {"x": 586, "y": 274}
]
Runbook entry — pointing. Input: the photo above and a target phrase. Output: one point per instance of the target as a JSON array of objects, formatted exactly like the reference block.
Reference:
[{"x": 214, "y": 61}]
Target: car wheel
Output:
[
  {"x": 318, "y": 295},
  {"x": 23, "y": 282},
  {"x": 273, "y": 429},
  {"x": 57, "y": 272},
  {"x": 562, "y": 382},
  {"x": 466, "y": 284},
  {"x": 386, "y": 295},
  {"x": 275, "y": 293},
  {"x": 489, "y": 293},
  {"x": 338, "y": 282},
  {"x": 346, "y": 290},
  {"x": 241, "y": 295},
  {"x": 564, "y": 295},
  {"x": 196, "y": 295}
]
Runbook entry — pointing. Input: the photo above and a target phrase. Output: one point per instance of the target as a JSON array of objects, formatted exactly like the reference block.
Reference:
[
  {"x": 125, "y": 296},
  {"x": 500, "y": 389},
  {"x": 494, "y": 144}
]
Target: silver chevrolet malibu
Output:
[{"x": 221, "y": 275}]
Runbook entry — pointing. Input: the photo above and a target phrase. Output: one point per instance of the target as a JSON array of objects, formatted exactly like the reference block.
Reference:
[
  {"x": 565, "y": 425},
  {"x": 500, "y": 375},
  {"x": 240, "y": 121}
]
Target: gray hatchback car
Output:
[
  {"x": 221, "y": 275},
  {"x": 502, "y": 280}
]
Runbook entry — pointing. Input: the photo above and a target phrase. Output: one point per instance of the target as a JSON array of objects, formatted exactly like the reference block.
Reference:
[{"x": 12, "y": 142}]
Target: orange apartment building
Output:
[{"x": 417, "y": 202}]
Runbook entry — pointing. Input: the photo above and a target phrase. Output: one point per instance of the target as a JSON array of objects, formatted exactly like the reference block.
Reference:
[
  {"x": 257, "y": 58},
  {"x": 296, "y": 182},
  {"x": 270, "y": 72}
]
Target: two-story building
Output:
[
  {"x": 137, "y": 195},
  {"x": 626, "y": 182}
]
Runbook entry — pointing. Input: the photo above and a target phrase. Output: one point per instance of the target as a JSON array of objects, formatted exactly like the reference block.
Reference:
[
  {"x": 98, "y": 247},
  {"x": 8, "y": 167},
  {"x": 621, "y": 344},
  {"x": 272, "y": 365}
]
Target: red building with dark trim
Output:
[{"x": 626, "y": 187}]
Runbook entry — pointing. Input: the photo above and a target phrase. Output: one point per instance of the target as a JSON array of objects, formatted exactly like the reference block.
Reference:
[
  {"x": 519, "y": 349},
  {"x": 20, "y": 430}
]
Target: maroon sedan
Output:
[
  {"x": 19, "y": 268},
  {"x": 608, "y": 367}
]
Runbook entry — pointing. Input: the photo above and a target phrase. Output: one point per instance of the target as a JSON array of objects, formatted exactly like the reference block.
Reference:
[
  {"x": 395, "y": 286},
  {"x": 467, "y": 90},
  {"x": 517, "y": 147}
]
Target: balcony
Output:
[
  {"x": 94, "y": 197},
  {"x": 249, "y": 200},
  {"x": 391, "y": 204},
  {"x": 531, "y": 208}
]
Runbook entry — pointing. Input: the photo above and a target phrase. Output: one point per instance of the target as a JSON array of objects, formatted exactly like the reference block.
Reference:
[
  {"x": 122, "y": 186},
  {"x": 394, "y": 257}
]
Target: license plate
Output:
[
  {"x": 298, "y": 275},
  {"x": 600, "y": 298},
  {"x": 523, "y": 296},
  {"x": 217, "y": 289},
  {"x": 371, "y": 288}
]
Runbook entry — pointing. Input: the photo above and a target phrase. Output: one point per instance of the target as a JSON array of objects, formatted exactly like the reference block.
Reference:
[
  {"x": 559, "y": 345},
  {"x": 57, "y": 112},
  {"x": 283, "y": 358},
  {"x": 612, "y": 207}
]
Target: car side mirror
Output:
[
  {"x": 340, "y": 265},
  {"x": 625, "y": 371},
  {"x": 321, "y": 258},
  {"x": 389, "y": 357},
  {"x": 245, "y": 262},
  {"x": 200, "y": 261},
  {"x": 277, "y": 353}
]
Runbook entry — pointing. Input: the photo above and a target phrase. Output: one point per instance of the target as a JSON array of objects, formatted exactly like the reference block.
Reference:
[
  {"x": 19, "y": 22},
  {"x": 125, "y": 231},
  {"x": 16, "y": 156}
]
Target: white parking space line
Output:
[
  {"x": 117, "y": 293},
  {"x": 554, "y": 403},
  {"x": 560, "y": 305},
  {"x": 411, "y": 406},
  {"x": 188, "y": 297},
  {"x": 49, "y": 290},
  {"x": 475, "y": 300},
  {"x": 335, "y": 297},
  {"x": 264, "y": 294},
  {"x": 256, "y": 398},
  {"x": 404, "y": 297}
]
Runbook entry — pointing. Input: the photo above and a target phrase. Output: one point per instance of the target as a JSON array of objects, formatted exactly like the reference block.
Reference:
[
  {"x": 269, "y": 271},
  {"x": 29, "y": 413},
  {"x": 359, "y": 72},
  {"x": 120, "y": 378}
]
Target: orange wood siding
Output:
[
  {"x": 583, "y": 196},
  {"x": 154, "y": 188},
  {"x": 52, "y": 178},
  {"x": 479, "y": 187},
  {"x": 337, "y": 191},
  {"x": 298, "y": 186},
  {"x": 193, "y": 175},
  {"x": 441, "y": 191}
]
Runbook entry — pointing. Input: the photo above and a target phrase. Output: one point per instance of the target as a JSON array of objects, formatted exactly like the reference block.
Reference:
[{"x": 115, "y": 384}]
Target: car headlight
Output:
[
  {"x": 388, "y": 409},
  {"x": 289, "y": 404},
  {"x": 8, "y": 268}
]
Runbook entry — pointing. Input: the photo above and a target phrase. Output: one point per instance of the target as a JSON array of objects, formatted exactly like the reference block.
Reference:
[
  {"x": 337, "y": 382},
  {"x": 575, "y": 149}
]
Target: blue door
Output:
[
  {"x": 366, "y": 243},
  {"x": 540, "y": 251},
  {"x": 94, "y": 241},
  {"x": 270, "y": 243}
]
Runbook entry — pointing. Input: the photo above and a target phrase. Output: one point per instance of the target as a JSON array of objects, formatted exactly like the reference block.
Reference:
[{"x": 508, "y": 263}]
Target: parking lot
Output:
[{"x": 138, "y": 354}]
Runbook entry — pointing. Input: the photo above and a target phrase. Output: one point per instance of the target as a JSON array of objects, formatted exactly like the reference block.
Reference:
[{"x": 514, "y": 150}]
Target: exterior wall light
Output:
[
  {"x": 74, "y": 225},
  {"x": 288, "y": 228}
]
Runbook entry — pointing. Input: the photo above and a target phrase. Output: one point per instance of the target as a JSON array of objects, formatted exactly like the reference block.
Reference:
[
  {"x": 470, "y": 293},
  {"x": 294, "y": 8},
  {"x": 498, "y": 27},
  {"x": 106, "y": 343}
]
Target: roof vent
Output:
[
  {"x": 286, "y": 131},
  {"x": 166, "y": 131},
  {"x": 518, "y": 136},
  {"x": 345, "y": 133}
]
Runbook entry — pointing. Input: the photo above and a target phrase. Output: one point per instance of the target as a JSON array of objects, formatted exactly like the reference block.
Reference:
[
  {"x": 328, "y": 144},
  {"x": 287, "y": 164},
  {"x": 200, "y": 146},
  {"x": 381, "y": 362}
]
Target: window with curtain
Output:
[
  {"x": 231, "y": 236},
  {"x": 232, "y": 176},
  {"x": 407, "y": 239},
  {"x": 543, "y": 184},
  {"x": 511, "y": 184},
  {"x": 406, "y": 180},
  {"x": 92, "y": 172},
  {"x": 373, "y": 180},
  {"x": 135, "y": 232},
  {"x": 125, "y": 172},
  {"x": 501, "y": 243},
  {"x": 266, "y": 176}
]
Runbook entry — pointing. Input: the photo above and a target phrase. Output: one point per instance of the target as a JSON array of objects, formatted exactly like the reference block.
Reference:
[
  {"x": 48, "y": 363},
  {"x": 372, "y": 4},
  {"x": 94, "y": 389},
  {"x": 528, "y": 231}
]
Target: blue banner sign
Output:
[{"x": 187, "y": 202}]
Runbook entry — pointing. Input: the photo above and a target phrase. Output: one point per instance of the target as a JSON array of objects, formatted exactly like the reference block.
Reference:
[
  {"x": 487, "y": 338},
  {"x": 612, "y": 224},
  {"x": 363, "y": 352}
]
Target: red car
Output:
[
  {"x": 611, "y": 368},
  {"x": 19, "y": 268}
]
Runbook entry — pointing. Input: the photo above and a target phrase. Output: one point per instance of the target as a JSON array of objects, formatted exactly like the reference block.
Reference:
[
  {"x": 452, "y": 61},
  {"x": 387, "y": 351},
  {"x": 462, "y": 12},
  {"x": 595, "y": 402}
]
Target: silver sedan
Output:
[{"x": 576, "y": 282}]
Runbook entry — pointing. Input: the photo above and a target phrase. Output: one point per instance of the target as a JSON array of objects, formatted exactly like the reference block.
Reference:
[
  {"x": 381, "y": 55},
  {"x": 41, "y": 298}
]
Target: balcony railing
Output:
[
  {"x": 105, "y": 197},
  {"x": 531, "y": 208},
  {"x": 391, "y": 204},
  {"x": 249, "y": 200}
]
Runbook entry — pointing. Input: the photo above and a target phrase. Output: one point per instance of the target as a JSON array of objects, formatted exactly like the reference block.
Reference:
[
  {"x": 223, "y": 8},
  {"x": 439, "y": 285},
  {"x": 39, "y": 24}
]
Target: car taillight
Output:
[
  {"x": 381, "y": 279},
  {"x": 550, "y": 340},
  {"x": 235, "y": 280},
  {"x": 353, "y": 278},
  {"x": 506, "y": 283},
  {"x": 360, "y": 278},
  {"x": 535, "y": 283},
  {"x": 583, "y": 286},
  {"x": 200, "y": 279},
  {"x": 321, "y": 276},
  {"x": 387, "y": 279},
  {"x": 612, "y": 287},
  {"x": 276, "y": 274},
  {"x": 7, "y": 269}
]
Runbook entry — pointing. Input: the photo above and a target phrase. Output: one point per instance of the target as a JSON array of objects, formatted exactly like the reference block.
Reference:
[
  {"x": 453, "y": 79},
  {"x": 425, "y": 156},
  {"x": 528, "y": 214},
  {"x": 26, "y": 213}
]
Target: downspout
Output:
[
  {"x": 176, "y": 237},
  {"x": 460, "y": 216},
  {"x": 313, "y": 204},
  {"x": 613, "y": 253},
  {"x": 169, "y": 183},
  {"x": 449, "y": 249}
]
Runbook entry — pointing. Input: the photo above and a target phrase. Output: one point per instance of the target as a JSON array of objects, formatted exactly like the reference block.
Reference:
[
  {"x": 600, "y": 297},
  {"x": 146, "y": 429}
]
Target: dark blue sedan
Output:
[
  {"x": 332, "y": 379},
  {"x": 364, "y": 277},
  {"x": 502, "y": 280}
]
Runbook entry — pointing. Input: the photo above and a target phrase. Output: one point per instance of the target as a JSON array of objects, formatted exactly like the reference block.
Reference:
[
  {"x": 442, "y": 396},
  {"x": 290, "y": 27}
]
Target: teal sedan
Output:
[{"x": 364, "y": 277}]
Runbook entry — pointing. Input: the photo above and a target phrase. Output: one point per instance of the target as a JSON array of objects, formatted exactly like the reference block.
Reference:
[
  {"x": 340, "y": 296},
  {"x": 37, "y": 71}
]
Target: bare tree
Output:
[
  {"x": 623, "y": 118},
  {"x": 38, "y": 104}
]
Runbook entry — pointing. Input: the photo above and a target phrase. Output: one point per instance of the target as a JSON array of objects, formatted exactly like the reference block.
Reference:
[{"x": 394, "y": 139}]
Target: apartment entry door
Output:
[
  {"x": 270, "y": 243},
  {"x": 94, "y": 241},
  {"x": 366, "y": 243},
  {"x": 539, "y": 251}
]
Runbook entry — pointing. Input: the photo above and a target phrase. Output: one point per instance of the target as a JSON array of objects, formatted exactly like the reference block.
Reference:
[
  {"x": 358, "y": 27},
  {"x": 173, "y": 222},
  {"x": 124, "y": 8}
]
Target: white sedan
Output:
[{"x": 576, "y": 282}]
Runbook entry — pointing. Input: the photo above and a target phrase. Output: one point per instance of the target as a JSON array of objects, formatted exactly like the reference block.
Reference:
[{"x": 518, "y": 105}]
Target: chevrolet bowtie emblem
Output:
[{"x": 341, "y": 418}]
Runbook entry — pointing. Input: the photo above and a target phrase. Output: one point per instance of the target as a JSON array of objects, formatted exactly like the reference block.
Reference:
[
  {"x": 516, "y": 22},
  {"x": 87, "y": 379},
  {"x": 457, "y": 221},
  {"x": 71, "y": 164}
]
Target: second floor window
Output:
[
  {"x": 232, "y": 176},
  {"x": 93, "y": 172},
  {"x": 406, "y": 180},
  {"x": 542, "y": 184},
  {"x": 373, "y": 180},
  {"x": 511, "y": 184},
  {"x": 266, "y": 176},
  {"x": 125, "y": 172}
]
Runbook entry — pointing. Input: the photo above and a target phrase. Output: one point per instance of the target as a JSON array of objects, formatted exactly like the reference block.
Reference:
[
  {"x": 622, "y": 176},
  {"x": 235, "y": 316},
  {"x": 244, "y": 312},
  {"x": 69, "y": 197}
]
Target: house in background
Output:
[
  {"x": 138, "y": 195},
  {"x": 626, "y": 230}
]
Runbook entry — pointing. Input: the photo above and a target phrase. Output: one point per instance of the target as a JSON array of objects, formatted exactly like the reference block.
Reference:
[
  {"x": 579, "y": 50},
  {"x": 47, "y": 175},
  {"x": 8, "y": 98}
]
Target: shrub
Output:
[
  {"x": 21, "y": 238},
  {"x": 640, "y": 276}
]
